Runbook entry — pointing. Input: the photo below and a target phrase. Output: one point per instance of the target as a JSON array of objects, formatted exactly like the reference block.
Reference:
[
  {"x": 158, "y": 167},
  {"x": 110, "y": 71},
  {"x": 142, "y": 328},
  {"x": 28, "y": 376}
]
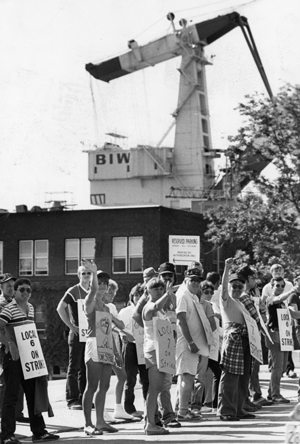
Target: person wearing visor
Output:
[
  {"x": 68, "y": 312},
  {"x": 192, "y": 342},
  {"x": 235, "y": 354}
]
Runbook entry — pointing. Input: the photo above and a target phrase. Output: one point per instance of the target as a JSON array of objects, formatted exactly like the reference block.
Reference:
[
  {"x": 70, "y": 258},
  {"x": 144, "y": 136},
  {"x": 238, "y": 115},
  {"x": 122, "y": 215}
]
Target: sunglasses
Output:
[
  {"x": 195, "y": 280},
  {"x": 208, "y": 291},
  {"x": 23, "y": 290},
  {"x": 279, "y": 286},
  {"x": 86, "y": 272},
  {"x": 237, "y": 286}
]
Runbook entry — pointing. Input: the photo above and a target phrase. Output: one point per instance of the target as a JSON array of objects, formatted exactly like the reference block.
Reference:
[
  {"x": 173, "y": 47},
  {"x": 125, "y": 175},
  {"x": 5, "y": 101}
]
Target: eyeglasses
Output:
[
  {"x": 236, "y": 286},
  {"x": 195, "y": 280},
  {"x": 208, "y": 291},
  {"x": 279, "y": 286},
  {"x": 23, "y": 289},
  {"x": 84, "y": 273}
]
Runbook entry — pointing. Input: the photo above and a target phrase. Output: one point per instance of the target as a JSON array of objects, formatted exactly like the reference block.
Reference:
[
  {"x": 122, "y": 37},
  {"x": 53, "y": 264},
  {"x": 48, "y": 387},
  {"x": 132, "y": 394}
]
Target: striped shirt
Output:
[{"x": 13, "y": 316}]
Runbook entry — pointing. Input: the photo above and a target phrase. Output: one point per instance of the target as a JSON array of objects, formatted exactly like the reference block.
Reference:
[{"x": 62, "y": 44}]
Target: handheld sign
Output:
[
  {"x": 285, "y": 329},
  {"x": 82, "y": 321},
  {"x": 292, "y": 433},
  {"x": 104, "y": 337},
  {"x": 254, "y": 338},
  {"x": 214, "y": 348},
  {"x": 138, "y": 334},
  {"x": 164, "y": 345},
  {"x": 31, "y": 356}
]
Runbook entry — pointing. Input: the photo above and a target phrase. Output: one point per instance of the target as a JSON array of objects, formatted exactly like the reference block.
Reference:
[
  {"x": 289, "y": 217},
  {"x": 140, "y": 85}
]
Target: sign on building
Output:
[{"x": 184, "y": 249}]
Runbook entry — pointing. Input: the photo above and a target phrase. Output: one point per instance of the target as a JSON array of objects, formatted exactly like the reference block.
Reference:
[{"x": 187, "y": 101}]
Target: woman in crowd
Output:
[
  {"x": 98, "y": 373},
  {"x": 154, "y": 308},
  {"x": 119, "y": 369},
  {"x": 235, "y": 355}
]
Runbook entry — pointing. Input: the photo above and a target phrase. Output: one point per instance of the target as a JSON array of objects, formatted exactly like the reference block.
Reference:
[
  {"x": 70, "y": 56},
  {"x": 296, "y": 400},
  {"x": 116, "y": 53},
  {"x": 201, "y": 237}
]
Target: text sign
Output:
[
  {"x": 104, "y": 337},
  {"x": 31, "y": 355},
  {"x": 164, "y": 345},
  {"x": 138, "y": 334},
  {"x": 254, "y": 338},
  {"x": 184, "y": 249},
  {"x": 82, "y": 321},
  {"x": 292, "y": 433},
  {"x": 285, "y": 329}
]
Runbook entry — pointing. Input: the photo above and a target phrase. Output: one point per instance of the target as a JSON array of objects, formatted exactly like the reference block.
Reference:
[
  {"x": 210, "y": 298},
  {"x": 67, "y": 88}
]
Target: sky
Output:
[{"x": 51, "y": 111}]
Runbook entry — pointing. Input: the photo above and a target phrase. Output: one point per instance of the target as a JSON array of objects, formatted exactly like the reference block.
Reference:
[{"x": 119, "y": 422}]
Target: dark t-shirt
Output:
[
  {"x": 70, "y": 298},
  {"x": 272, "y": 310},
  {"x": 295, "y": 300}
]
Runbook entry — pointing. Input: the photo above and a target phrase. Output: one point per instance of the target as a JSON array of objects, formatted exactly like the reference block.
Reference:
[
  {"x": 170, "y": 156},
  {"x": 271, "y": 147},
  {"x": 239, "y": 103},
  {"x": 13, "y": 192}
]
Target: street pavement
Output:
[{"x": 268, "y": 427}]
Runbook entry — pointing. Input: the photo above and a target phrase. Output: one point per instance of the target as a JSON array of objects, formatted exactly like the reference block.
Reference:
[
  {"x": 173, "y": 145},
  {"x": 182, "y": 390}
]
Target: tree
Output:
[{"x": 264, "y": 223}]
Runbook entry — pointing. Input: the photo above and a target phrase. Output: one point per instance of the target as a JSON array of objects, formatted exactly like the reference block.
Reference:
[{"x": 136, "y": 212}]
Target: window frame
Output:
[
  {"x": 79, "y": 253},
  {"x": 127, "y": 255}
]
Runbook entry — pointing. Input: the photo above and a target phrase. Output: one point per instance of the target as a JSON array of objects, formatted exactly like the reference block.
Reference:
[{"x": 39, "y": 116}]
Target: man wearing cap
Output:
[
  {"x": 148, "y": 274},
  {"x": 276, "y": 271},
  {"x": 194, "y": 338},
  {"x": 7, "y": 293},
  {"x": 68, "y": 312}
]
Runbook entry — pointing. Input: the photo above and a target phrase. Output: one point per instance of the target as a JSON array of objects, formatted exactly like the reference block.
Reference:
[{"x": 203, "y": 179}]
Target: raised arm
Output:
[{"x": 224, "y": 285}]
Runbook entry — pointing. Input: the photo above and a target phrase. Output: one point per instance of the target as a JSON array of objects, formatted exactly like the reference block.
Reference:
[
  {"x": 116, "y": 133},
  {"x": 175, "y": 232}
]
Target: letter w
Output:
[{"x": 123, "y": 156}]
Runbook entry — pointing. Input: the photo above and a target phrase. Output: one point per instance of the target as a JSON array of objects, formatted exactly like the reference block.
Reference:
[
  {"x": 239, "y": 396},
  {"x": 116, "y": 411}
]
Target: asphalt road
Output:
[{"x": 268, "y": 427}]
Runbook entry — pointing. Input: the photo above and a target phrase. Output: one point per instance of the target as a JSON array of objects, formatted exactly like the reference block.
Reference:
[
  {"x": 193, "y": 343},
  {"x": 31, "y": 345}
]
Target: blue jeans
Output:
[
  {"x": 76, "y": 375},
  {"x": 14, "y": 379},
  {"x": 278, "y": 363},
  {"x": 132, "y": 369}
]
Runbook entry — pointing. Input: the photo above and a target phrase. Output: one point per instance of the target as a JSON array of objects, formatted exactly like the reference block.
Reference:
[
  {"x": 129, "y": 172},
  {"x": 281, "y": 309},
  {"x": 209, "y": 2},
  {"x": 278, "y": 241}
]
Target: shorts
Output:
[
  {"x": 91, "y": 351},
  {"x": 150, "y": 359},
  {"x": 187, "y": 362}
]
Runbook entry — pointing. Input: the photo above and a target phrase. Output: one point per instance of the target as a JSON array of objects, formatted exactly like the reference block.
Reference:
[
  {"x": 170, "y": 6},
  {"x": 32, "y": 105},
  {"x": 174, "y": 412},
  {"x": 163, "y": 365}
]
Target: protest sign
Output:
[
  {"x": 164, "y": 345},
  {"x": 31, "y": 355},
  {"x": 285, "y": 329},
  {"x": 254, "y": 338},
  {"x": 138, "y": 334},
  {"x": 82, "y": 321},
  {"x": 104, "y": 337}
]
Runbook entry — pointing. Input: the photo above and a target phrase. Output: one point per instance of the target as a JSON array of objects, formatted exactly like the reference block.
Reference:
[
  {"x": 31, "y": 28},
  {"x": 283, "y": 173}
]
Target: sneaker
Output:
[
  {"x": 293, "y": 375},
  {"x": 189, "y": 416},
  {"x": 108, "y": 417},
  {"x": 45, "y": 437},
  {"x": 119, "y": 413},
  {"x": 205, "y": 409},
  {"x": 75, "y": 406},
  {"x": 10, "y": 440},
  {"x": 281, "y": 400},
  {"x": 263, "y": 401}
]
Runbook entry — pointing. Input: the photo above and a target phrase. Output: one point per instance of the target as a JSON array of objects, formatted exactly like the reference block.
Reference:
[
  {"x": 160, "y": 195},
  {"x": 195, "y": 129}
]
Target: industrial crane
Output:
[{"x": 167, "y": 176}]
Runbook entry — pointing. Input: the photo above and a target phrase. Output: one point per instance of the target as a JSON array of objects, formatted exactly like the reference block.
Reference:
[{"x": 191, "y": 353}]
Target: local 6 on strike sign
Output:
[
  {"x": 30, "y": 350},
  {"x": 164, "y": 345},
  {"x": 82, "y": 321},
  {"x": 138, "y": 334},
  {"x": 285, "y": 329}
]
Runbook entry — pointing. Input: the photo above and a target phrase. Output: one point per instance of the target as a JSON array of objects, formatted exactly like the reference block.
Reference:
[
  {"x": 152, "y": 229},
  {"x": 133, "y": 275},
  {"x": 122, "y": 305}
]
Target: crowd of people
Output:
[{"x": 206, "y": 322}]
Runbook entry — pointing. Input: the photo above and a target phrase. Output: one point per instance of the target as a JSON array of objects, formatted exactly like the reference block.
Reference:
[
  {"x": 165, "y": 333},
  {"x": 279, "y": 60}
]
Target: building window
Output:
[
  {"x": 1, "y": 257},
  {"x": 77, "y": 249},
  {"x": 33, "y": 258},
  {"x": 127, "y": 254}
]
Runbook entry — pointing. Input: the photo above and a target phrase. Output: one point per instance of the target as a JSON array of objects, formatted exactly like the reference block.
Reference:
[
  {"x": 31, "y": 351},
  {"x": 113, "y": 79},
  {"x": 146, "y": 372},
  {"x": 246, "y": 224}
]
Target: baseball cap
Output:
[
  {"x": 6, "y": 277},
  {"x": 166, "y": 267},
  {"x": 149, "y": 273},
  {"x": 193, "y": 272},
  {"x": 236, "y": 277}
]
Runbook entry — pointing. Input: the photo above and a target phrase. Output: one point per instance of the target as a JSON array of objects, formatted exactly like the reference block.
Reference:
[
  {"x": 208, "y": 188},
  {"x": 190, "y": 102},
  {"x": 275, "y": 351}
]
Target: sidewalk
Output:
[{"x": 268, "y": 427}]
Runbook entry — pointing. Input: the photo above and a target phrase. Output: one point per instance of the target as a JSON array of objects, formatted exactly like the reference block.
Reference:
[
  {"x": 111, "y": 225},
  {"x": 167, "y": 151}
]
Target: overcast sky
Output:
[{"x": 48, "y": 114}]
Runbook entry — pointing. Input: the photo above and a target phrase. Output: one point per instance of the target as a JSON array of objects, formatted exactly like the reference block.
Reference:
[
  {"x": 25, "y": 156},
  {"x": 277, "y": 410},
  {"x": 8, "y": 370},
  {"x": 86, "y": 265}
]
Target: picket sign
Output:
[
  {"x": 292, "y": 433},
  {"x": 31, "y": 355},
  {"x": 214, "y": 348},
  {"x": 82, "y": 321},
  {"x": 254, "y": 337},
  {"x": 104, "y": 337},
  {"x": 138, "y": 334},
  {"x": 285, "y": 329},
  {"x": 262, "y": 323},
  {"x": 164, "y": 345}
]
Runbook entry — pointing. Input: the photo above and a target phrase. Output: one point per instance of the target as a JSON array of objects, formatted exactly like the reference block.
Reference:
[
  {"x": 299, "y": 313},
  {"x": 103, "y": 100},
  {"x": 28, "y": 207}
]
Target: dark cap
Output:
[
  {"x": 193, "y": 272},
  {"x": 236, "y": 277},
  {"x": 149, "y": 273},
  {"x": 166, "y": 267},
  {"x": 103, "y": 275},
  {"x": 6, "y": 277},
  {"x": 195, "y": 264}
]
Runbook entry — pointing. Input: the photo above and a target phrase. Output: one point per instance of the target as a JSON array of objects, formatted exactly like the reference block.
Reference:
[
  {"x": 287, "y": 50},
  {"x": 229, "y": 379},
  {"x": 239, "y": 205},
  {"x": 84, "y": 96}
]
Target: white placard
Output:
[
  {"x": 292, "y": 433},
  {"x": 31, "y": 355},
  {"x": 254, "y": 338},
  {"x": 104, "y": 337},
  {"x": 138, "y": 334},
  {"x": 82, "y": 321},
  {"x": 214, "y": 348},
  {"x": 184, "y": 249},
  {"x": 285, "y": 329},
  {"x": 164, "y": 345}
]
